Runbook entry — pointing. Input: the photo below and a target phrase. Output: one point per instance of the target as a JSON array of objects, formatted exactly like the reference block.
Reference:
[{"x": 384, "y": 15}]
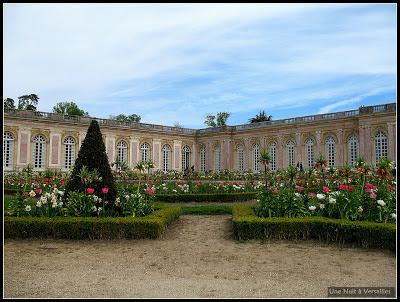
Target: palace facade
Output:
[{"x": 52, "y": 141}]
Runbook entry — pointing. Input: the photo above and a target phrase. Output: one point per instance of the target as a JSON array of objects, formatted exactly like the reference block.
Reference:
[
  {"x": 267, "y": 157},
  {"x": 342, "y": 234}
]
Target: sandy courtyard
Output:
[{"x": 197, "y": 257}]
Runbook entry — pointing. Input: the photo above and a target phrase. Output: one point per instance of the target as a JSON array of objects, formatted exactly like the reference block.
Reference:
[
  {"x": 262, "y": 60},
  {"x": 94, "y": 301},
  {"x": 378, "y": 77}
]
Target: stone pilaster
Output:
[
  {"x": 340, "y": 148},
  {"x": 176, "y": 163},
  {"x": 391, "y": 140}
]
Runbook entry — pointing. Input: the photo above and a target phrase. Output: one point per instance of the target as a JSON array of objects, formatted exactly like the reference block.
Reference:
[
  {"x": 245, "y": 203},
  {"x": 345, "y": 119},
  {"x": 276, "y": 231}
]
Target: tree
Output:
[
  {"x": 130, "y": 118},
  {"x": 9, "y": 103},
  {"x": 210, "y": 120},
  {"x": 92, "y": 155},
  {"x": 28, "y": 102},
  {"x": 68, "y": 108},
  {"x": 222, "y": 117},
  {"x": 260, "y": 118},
  {"x": 178, "y": 125}
]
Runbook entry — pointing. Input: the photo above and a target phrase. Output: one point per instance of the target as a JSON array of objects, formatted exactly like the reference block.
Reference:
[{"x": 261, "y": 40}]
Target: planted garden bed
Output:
[
  {"x": 247, "y": 225},
  {"x": 150, "y": 226}
]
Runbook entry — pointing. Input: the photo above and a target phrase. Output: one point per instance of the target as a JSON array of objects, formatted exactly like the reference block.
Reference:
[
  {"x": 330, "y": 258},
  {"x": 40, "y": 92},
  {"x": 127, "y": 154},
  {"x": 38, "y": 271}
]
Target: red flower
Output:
[
  {"x": 38, "y": 191},
  {"x": 299, "y": 188},
  {"x": 90, "y": 190},
  {"x": 326, "y": 189},
  {"x": 105, "y": 190},
  {"x": 150, "y": 191}
]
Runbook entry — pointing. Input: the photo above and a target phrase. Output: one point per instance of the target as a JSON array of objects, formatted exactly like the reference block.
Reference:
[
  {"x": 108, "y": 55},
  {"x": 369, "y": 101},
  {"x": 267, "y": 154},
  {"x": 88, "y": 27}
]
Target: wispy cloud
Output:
[{"x": 176, "y": 62}]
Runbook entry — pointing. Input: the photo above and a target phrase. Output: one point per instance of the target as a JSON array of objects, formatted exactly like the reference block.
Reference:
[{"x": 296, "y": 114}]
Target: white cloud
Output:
[{"x": 197, "y": 57}]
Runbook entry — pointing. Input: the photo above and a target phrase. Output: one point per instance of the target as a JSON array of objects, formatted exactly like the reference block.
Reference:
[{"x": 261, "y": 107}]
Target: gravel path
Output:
[{"x": 197, "y": 257}]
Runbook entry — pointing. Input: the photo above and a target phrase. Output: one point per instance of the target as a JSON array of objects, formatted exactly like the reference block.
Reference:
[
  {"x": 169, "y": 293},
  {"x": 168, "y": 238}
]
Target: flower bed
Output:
[
  {"x": 151, "y": 226},
  {"x": 247, "y": 225}
]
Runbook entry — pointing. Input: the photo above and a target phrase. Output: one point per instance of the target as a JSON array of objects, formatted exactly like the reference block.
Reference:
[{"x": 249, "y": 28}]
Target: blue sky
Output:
[{"x": 175, "y": 63}]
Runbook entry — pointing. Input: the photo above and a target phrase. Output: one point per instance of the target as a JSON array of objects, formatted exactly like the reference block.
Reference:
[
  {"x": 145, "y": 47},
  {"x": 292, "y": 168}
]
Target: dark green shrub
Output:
[
  {"x": 151, "y": 226},
  {"x": 216, "y": 197},
  {"x": 246, "y": 225},
  {"x": 93, "y": 156}
]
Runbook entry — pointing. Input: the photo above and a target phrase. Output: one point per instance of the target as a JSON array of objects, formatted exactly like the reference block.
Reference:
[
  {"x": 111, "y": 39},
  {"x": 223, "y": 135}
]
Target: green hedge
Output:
[
  {"x": 151, "y": 226},
  {"x": 246, "y": 225},
  {"x": 216, "y": 197}
]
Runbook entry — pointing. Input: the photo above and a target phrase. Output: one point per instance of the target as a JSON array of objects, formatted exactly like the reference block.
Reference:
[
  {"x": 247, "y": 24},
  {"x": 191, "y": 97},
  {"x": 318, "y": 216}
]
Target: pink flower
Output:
[
  {"x": 38, "y": 191},
  {"x": 299, "y": 188},
  {"x": 105, "y": 190},
  {"x": 326, "y": 189},
  {"x": 150, "y": 191},
  {"x": 372, "y": 195},
  {"x": 90, "y": 190},
  {"x": 311, "y": 194},
  {"x": 275, "y": 191}
]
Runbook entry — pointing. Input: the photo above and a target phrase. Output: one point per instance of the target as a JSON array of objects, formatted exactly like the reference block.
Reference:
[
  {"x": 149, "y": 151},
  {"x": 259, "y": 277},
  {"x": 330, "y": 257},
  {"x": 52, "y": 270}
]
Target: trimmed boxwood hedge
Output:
[
  {"x": 216, "y": 197},
  {"x": 246, "y": 225},
  {"x": 151, "y": 226}
]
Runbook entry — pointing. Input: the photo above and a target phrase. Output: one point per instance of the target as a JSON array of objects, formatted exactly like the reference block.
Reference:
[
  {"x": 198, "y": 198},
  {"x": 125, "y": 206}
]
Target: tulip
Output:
[
  {"x": 90, "y": 190},
  {"x": 105, "y": 190},
  {"x": 381, "y": 202}
]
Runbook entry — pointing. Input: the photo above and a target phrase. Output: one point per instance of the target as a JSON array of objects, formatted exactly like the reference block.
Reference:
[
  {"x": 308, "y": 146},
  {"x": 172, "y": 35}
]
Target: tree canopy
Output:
[
  {"x": 9, "y": 103},
  {"x": 130, "y": 118},
  {"x": 261, "y": 117},
  {"x": 68, "y": 108},
  {"x": 222, "y": 118},
  {"x": 28, "y": 102}
]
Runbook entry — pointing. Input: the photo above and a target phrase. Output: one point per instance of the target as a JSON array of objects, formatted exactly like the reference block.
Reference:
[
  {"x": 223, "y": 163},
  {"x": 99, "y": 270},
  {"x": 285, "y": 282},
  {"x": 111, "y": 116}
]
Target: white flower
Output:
[
  {"x": 47, "y": 195},
  {"x": 32, "y": 193},
  {"x": 55, "y": 190},
  {"x": 320, "y": 196},
  {"x": 28, "y": 208},
  {"x": 53, "y": 205},
  {"x": 39, "y": 204},
  {"x": 360, "y": 209},
  {"x": 312, "y": 208},
  {"x": 61, "y": 193},
  {"x": 94, "y": 208},
  {"x": 332, "y": 200},
  {"x": 393, "y": 215},
  {"x": 322, "y": 206},
  {"x": 381, "y": 202}
]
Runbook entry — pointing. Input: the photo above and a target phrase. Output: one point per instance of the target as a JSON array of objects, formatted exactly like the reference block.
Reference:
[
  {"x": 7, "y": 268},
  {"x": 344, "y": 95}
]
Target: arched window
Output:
[
  {"x": 272, "y": 153},
  {"x": 256, "y": 156},
  {"x": 352, "y": 149},
  {"x": 330, "y": 151},
  {"x": 380, "y": 145},
  {"x": 309, "y": 153},
  {"x": 290, "y": 158},
  {"x": 185, "y": 158},
  {"x": 202, "y": 160},
  {"x": 8, "y": 151},
  {"x": 240, "y": 158},
  {"x": 69, "y": 153},
  {"x": 166, "y": 155},
  {"x": 145, "y": 152},
  {"x": 217, "y": 159},
  {"x": 122, "y": 151},
  {"x": 39, "y": 152}
]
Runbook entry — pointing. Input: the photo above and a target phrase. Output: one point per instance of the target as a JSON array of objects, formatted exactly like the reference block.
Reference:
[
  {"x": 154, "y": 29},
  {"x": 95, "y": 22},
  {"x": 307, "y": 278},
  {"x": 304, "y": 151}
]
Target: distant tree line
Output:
[{"x": 30, "y": 102}]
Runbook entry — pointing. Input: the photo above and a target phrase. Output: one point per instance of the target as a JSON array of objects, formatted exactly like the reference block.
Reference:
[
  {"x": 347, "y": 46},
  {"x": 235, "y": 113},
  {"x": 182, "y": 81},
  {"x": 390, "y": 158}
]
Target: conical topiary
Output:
[{"x": 92, "y": 155}]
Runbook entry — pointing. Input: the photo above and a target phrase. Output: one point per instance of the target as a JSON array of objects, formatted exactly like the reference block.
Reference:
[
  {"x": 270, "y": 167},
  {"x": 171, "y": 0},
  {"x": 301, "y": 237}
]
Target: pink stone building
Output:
[{"x": 52, "y": 141}]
